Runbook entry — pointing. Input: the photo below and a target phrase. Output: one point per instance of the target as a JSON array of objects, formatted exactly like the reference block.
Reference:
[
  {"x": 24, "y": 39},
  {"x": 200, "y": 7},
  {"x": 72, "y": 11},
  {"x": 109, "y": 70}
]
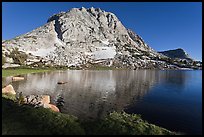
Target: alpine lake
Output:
[{"x": 168, "y": 98}]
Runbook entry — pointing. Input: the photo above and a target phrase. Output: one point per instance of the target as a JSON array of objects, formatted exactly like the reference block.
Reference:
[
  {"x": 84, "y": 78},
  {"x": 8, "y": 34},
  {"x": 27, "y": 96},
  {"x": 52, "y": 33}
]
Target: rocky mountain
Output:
[
  {"x": 83, "y": 38},
  {"x": 176, "y": 53}
]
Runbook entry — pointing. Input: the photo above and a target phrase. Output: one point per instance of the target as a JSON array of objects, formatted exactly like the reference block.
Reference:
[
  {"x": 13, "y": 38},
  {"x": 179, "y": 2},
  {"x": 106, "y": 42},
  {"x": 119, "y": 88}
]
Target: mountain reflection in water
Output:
[{"x": 90, "y": 93}]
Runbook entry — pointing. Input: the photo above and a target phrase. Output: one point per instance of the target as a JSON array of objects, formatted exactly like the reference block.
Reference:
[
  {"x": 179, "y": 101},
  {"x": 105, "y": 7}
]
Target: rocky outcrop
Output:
[{"x": 8, "y": 90}]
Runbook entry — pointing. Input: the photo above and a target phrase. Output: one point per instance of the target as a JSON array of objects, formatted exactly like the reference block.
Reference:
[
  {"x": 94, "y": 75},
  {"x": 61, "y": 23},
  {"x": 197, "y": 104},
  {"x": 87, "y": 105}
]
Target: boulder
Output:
[
  {"x": 8, "y": 89},
  {"x": 46, "y": 105},
  {"x": 52, "y": 107},
  {"x": 45, "y": 99},
  {"x": 17, "y": 78}
]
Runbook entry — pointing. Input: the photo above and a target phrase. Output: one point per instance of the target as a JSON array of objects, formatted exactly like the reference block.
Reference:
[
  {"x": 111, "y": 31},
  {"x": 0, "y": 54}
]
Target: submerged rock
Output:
[
  {"x": 61, "y": 82},
  {"x": 17, "y": 78}
]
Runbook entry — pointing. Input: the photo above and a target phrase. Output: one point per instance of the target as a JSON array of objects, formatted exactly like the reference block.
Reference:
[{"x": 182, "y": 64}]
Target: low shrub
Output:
[
  {"x": 3, "y": 60},
  {"x": 18, "y": 57},
  {"x": 127, "y": 124}
]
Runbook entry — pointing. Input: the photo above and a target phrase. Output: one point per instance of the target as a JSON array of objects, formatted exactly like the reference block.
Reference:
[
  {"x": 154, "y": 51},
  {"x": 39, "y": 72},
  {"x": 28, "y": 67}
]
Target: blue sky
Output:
[{"x": 162, "y": 25}]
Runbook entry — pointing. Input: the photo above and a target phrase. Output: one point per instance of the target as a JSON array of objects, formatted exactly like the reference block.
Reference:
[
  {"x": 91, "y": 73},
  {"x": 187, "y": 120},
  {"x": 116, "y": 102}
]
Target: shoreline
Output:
[{"x": 20, "y": 71}]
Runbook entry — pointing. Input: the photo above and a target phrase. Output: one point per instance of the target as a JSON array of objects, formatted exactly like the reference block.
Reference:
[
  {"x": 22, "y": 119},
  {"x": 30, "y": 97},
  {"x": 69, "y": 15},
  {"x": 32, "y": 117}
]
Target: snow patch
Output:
[
  {"x": 6, "y": 65},
  {"x": 104, "y": 53},
  {"x": 186, "y": 68},
  {"x": 88, "y": 53},
  {"x": 105, "y": 42}
]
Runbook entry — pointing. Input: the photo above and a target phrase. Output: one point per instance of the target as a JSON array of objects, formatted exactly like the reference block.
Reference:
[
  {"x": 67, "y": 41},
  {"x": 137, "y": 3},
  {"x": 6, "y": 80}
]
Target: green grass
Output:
[
  {"x": 128, "y": 124},
  {"x": 121, "y": 123},
  {"x": 20, "y": 71},
  {"x": 9, "y": 96},
  {"x": 26, "y": 120},
  {"x": 24, "y": 70}
]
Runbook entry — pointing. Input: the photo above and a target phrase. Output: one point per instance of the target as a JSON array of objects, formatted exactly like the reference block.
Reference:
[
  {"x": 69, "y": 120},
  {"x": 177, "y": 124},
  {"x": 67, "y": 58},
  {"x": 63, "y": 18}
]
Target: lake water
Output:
[{"x": 168, "y": 98}]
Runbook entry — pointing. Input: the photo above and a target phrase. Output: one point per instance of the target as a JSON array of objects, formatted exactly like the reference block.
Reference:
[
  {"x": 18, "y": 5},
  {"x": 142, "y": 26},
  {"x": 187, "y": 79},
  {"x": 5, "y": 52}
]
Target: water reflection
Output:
[
  {"x": 90, "y": 93},
  {"x": 175, "y": 77}
]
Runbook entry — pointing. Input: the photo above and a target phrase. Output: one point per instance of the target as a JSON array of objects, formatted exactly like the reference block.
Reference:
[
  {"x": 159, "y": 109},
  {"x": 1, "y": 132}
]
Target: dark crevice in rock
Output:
[
  {"x": 57, "y": 26},
  {"x": 57, "y": 29}
]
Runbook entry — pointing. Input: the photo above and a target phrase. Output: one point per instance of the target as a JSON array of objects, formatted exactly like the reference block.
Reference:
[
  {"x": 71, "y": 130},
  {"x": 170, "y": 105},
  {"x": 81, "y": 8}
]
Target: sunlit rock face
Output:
[{"x": 80, "y": 36}]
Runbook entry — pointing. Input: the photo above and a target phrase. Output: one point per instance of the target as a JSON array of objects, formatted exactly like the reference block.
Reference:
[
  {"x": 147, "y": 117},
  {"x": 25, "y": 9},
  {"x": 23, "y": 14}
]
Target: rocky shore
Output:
[{"x": 32, "y": 100}]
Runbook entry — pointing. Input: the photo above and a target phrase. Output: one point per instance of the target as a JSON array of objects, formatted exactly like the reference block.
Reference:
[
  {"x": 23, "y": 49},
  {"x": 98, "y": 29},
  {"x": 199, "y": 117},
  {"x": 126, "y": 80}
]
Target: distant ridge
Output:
[{"x": 176, "y": 53}]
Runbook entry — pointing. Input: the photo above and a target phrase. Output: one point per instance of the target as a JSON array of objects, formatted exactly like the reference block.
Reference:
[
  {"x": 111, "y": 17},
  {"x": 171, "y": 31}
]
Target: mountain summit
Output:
[{"x": 84, "y": 38}]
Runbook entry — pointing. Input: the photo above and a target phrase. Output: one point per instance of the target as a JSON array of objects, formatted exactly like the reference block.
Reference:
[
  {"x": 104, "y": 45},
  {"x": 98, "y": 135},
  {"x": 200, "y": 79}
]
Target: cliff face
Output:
[{"x": 80, "y": 37}]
